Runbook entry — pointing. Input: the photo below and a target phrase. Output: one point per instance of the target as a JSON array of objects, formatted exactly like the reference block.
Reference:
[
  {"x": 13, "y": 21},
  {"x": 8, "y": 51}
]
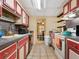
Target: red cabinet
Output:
[
  {"x": 22, "y": 48},
  {"x": 13, "y": 56},
  {"x": 25, "y": 18},
  {"x": 66, "y": 8},
  {"x": 74, "y": 4},
  {"x": 9, "y": 3},
  {"x": 9, "y": 51},
  {"x": 18, "y": 8},
  {"x": 70, "y": 6},
  {"x": 73, "y": 49}
]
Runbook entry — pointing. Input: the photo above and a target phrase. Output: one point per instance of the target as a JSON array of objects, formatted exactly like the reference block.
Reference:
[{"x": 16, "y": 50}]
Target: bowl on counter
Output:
[
  {"x": 67, "y": 33},
  {"x": 1, "y": 33}
]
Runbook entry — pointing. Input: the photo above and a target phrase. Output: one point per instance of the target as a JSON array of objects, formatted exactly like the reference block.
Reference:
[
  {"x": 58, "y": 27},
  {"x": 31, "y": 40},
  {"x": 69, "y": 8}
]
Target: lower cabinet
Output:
[
  {"x": 23, "y": 48},
  {"x": 27, "y": 47},
  {"x": 73, "y": 54},
  {"x": 21, "y": 53},
  {"x": 13, "y": 56},
  {"x": 72, "y": 49},
  {"x": 9, "y": 52},
  {"x": 18, "y": 50}
]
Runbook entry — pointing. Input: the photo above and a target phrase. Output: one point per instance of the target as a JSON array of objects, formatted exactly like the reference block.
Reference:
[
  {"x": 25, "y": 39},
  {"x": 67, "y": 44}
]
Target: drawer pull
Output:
[{"x": 6, "y": 53}]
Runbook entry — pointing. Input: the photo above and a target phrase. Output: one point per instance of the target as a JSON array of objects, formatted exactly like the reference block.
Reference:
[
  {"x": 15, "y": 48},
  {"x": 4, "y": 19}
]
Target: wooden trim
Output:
[
  {"x": 60, "y": 21},
  {"x": 7, "y": 47},
  {"x": 60, "y": 15}
]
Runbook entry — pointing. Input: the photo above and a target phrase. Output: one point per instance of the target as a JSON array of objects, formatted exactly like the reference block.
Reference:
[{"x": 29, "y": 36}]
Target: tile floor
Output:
[{"x": 40, "y": 51}]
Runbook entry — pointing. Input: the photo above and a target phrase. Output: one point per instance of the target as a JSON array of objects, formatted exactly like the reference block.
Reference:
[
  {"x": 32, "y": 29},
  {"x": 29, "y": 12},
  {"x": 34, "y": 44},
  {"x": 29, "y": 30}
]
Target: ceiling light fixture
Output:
[
  {"x": 38, "y": 4},
  {"x": 44, "y": 3}
]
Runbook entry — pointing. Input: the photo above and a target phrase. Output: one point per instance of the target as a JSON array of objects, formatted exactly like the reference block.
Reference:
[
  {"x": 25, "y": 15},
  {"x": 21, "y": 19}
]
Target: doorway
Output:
[{"x": 41, "y": 29}]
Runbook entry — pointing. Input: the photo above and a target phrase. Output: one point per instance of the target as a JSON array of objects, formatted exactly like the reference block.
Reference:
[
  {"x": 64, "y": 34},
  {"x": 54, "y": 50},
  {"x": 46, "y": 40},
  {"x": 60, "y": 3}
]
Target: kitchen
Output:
[
  {"x": 66, "y": 43},
  {"x": 15, "y": 40},
  {"x": 18, "y": 29}
]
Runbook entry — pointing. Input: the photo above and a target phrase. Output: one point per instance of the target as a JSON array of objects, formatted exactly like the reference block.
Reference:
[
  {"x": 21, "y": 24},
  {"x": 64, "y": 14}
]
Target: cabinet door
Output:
[
  {"x": 5, "y": 53},
  {"x": 73, "y": 55},
  {"x": 73, "y": 4},
  {"x": 18, "y": 8},
  {"x": 10, "y": 3},
  {"x": 24, "y": 18},
  {"x": 21, "y": 53},
  {"x": 66, "y": 8},
  {"x": 13, "y": 56}
]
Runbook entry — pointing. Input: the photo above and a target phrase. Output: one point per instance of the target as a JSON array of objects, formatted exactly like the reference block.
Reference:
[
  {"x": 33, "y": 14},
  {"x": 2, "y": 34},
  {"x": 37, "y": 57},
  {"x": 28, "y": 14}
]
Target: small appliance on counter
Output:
[
  {"x": 21, "y": 29},
  {"x": 67, "y": 33},
  {"x": 1, "y": 33}
]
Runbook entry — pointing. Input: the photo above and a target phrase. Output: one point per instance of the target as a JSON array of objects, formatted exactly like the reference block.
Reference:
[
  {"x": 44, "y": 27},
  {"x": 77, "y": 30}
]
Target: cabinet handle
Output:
[{"x": 6, "y": 53}]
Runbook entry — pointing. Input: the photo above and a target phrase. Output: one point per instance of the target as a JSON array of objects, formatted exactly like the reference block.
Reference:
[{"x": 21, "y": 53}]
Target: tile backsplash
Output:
[{"x": 7, "y": 26}]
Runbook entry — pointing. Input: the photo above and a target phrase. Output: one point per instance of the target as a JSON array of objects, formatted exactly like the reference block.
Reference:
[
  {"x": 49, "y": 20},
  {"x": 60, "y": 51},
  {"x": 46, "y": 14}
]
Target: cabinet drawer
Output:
[
  {"x": 22, "y": 42},
  {"x": 70, "y": 43},
  {"x": 73, "y": 44},
  {"x": 13, "y": 56},
  {"x": 5, "y": 53}
]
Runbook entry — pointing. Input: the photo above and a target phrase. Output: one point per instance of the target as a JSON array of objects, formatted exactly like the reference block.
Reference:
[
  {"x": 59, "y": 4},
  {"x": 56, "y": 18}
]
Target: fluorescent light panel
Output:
[{"x": 38, "y": 4}]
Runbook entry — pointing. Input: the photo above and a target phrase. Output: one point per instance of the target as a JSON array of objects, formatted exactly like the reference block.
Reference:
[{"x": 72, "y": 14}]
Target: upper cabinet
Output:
[
  {"x": 70, "y": 6},
  {"x": 73, "y": 4},
  {"x": 18, "y": 8},
  {"x": 66, "y": 8},
  {"x": 25, "y": 19},
  {"x": 0, "y": 8},
  {"x": 10, "y": 3}
]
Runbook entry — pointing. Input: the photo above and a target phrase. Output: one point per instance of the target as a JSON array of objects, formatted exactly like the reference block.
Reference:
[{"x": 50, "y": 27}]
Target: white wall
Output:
[{"x": 33, "y": 27}]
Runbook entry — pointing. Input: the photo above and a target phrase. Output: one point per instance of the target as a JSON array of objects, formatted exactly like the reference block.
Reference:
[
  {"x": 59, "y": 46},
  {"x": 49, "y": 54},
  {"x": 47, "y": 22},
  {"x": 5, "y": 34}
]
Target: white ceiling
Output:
[{"x": 53, "y": 7}]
